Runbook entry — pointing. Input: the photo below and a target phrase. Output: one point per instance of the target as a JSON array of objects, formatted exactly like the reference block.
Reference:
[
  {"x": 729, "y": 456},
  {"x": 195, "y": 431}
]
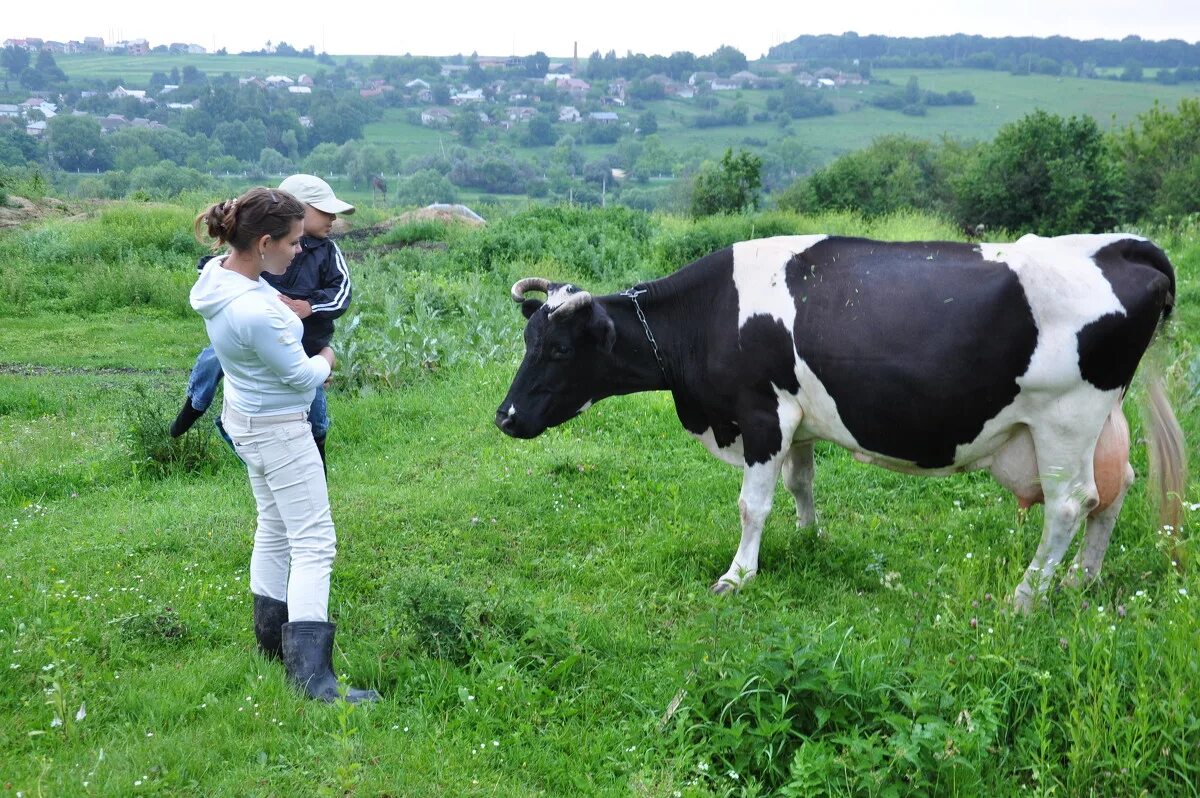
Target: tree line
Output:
[
  {"x": 1044, "y": 173},
  {"x": 984, "y": 51}
]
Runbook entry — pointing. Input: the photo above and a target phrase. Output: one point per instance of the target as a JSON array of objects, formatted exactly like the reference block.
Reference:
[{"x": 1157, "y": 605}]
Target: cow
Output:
[{"x": 930, "y": 358}]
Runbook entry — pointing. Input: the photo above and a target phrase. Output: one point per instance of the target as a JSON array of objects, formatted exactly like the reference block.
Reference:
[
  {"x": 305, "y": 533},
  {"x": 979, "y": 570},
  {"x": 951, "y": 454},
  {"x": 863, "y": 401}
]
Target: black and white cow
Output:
[{"x": 929, "y": 358}]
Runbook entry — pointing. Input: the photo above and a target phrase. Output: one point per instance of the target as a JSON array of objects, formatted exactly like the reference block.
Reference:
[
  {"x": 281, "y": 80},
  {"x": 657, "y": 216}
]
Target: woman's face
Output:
[{"x": 277, "y": 254}]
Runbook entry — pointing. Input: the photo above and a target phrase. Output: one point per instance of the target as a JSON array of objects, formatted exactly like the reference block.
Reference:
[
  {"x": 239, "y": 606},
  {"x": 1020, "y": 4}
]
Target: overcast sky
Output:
[{"x": 506, "y": 27}]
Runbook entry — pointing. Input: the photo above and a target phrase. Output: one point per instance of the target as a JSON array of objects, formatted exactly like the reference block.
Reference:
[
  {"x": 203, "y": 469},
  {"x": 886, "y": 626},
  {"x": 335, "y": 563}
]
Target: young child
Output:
[{"x": 316, "y": 286}]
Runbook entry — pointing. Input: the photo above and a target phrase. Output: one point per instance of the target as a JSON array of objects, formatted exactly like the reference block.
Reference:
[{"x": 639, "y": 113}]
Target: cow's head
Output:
[{"x": 567, "y": 339}]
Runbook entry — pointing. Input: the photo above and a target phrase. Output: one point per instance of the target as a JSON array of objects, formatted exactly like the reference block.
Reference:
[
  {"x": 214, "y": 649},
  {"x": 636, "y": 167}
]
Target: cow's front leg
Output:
[
  {"x": 798, "y": 476},
  {"x": 765, "y": 441},
  {"x": 754, "y": 504}
]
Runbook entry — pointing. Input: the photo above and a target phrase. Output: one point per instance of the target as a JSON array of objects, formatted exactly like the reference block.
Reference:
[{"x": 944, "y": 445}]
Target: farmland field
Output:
[
  {"x": 535, "y": 613},
  {"x": 1000, "y": 98}
]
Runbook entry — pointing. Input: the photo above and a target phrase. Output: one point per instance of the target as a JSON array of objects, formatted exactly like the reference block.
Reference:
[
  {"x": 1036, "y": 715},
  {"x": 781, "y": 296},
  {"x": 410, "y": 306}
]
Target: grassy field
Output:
[
  {"x": 535, "y": 613},
  {"x": 137, "y": 69},
  {"x": 1000, "y": 98}
]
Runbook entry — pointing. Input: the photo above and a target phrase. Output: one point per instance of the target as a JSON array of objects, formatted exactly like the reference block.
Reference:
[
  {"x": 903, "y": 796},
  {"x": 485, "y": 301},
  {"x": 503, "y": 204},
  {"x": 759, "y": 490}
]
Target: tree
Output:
[
  {"x": 731, "y": 186},
  {"x": 894, "y": 173},
  {"x": 536, "y": 65},
  {"x": 1042, "y": 174},
  {"x": 726, "y": 60},
  {"x": 647, "y": 124},
  {"x": 74, "y": 143},
  {"x": 14, "y": 59},
  {"x": 425, "y": 188},
  {"x": 1160, "y": 160},
  {"x": 541, "y": 131},
  {"x": 467, "y": 124},
  {"x": 16, "y": 146}
]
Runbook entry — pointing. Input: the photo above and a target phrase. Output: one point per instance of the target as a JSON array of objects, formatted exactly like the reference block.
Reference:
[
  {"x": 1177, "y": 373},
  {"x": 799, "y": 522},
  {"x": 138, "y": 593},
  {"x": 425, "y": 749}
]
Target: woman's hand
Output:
[{"x": 327, "y": 353}]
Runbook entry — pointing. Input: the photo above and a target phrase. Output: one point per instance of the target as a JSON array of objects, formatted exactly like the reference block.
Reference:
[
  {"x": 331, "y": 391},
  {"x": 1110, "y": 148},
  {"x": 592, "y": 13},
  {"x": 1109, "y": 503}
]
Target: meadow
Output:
[
  {"x": 535, "y": 613},
  {"x": 1000, "y": 98}
]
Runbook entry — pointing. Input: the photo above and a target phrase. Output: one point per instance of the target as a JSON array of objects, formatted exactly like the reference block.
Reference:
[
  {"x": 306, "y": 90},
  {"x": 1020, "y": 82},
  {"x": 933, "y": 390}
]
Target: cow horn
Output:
[
  {"x": 529, "y": 284},
  {"x": 575, "y": 300}
]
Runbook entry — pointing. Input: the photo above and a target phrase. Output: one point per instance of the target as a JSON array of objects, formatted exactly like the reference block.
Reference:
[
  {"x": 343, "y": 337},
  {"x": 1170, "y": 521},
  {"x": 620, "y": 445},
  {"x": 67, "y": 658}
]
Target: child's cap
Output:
[{"x": 316, "y": 192}]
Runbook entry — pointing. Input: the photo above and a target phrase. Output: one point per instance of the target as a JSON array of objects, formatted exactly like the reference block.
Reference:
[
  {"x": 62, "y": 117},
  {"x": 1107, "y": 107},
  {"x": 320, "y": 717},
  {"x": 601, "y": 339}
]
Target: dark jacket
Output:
[{"x": 319, "y": 276}]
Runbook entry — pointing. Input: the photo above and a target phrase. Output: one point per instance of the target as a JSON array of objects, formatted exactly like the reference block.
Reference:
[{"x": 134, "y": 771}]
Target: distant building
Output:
[
  {"x": 463, "y": 97},
  {"x": 435, "y": 117},
  {"x": 121, "y": 91}
]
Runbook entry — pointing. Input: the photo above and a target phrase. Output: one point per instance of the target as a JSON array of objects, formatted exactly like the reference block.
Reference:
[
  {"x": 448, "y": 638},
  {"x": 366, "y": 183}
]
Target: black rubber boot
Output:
[
  {"x": 269, "y": 617},
  {"x": 308, "y": 659},
  {"x": 186, "y": 418},
  {"x": 321, "y": 449}
]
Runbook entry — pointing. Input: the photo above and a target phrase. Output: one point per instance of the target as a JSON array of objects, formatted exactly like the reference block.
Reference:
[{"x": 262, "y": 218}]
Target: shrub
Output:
[{"x": 152, "y": 451}]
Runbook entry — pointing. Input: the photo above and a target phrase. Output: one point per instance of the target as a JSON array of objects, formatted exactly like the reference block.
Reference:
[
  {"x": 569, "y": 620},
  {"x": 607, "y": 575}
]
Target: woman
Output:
[{"x": 269, "y": 386}]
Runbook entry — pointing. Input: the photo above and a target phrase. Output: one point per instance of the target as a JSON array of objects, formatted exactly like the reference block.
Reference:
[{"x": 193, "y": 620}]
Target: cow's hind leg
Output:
[
  {"x": 1114, "y": 475},
  {"x": 765, "y": 439},
  {"x": 798, "y": 477},
  {"x": 1090, "y": 558},
  {"x": 1065, "y": 448}
]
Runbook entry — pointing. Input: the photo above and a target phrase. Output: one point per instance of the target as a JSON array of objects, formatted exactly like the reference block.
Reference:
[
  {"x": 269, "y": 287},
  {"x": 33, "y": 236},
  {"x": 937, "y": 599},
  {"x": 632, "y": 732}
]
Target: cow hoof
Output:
[
  {"x": 1023, "y": 602},
  {"x": 722, "y": 586}
]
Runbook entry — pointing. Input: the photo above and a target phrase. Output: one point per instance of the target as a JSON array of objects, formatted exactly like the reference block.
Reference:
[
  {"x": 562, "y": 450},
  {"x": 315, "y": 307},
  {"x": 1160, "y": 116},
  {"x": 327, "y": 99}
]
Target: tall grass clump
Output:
[
  {"x": 152, "y": 452},
  {"x": 413, "y": 318},
  {"x": 126, "y": 257},
  {"x": 605, "y": 245}
]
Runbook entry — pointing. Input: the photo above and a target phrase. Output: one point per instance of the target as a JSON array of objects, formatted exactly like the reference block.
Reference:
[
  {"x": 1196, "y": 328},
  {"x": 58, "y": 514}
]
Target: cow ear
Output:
[
  {"x": 530, "y": 306},
  {"x": 603, "y": 329}
]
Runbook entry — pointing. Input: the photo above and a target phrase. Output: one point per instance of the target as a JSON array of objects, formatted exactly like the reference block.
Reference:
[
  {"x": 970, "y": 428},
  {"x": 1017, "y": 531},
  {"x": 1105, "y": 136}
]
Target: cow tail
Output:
[{"x": 1168, "y": 460}]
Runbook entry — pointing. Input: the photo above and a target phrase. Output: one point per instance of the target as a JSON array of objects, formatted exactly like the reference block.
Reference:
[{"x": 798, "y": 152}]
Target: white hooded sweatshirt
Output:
[{"x": 257, "y": 339}]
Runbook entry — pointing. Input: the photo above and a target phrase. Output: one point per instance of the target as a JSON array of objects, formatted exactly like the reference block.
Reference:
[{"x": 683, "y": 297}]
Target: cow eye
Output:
[{"x": 560, "y": 350}]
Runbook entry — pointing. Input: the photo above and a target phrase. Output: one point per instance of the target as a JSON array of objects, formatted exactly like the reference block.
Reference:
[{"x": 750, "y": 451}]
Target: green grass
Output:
[
  {"x": 531, "y": 610},
  {"x": 137, "y": 69},
  {"x": 1001, "y": 98}
]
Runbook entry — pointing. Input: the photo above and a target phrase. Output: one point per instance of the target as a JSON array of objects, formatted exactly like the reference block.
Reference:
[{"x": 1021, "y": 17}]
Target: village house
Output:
[
  {"x": 603, "y": 117},
  {"x": 450, "y": 70},
  {"x": 568, "y": 113},
  {"x": 113, "y": 122},
  {"x": 10, "y": 111},
  {"x": 45, "y": 107},
  {"x": 416, "y": 83},
  {"x": 435, "y": 117},
  {"x": 463, "y": 97},
  {"x": 521, "y": 113},
  {"x": 278, "y": 81},
  {"x": 299, "y": 89},
  {"x": 698, "y": 79},
  {"x": 120, "y": 92}
]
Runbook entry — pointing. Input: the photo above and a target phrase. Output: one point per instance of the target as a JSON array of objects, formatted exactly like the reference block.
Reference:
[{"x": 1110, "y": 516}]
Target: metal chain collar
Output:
[{"x": 633, "y": 294}]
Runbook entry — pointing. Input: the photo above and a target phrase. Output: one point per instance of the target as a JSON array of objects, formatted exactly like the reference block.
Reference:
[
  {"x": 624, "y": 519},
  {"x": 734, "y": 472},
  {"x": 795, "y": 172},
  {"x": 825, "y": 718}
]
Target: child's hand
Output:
[{"x": 300, "y": 307}]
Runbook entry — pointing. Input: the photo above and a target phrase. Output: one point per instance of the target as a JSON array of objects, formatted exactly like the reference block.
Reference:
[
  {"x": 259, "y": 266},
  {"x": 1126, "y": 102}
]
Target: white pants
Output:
[{"x": 294, "y": 543}]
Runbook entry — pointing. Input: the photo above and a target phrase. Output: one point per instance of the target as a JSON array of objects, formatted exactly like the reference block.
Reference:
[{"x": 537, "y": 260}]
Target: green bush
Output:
[
  {"x": 608, "y": 244},
  {"x": 682, "y": 242},
  {"x": 153, "y": 452},
  {"x": 1042, "y": 174}
]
